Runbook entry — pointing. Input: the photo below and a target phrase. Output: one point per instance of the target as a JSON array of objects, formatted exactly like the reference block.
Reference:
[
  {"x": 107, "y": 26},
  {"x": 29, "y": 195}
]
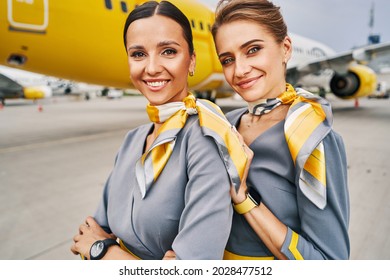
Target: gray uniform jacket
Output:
[
  {"x": 188, "y": 209},
  {"x": 312, "y": 233}
]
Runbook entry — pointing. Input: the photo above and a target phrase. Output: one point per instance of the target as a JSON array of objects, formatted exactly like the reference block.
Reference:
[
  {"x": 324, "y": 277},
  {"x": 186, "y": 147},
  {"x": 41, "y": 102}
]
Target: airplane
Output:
[
  {"x": 82, "y": 41},
  {"x": 350, "y": 75},
  {"x": 15, "y": 84}
]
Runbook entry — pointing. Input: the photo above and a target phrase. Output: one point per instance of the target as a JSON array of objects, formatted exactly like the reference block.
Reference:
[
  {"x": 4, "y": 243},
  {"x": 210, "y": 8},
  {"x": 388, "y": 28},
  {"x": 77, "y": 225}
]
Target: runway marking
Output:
[{"x": 70, "y": 140}]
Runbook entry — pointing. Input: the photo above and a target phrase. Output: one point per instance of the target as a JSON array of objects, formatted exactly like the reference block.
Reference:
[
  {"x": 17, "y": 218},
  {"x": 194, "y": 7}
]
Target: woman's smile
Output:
[
  {"x": 156, "y": 85},
  {"x": 248, "y": 83}
]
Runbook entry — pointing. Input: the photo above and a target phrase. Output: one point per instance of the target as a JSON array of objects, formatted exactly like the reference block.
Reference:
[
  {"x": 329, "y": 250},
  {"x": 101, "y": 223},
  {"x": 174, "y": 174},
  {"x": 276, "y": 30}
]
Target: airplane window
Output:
[
  {"x": 108, "y": 4},
  {"x": 298, "y": 50},
  {"x": 16, "y": 59},
  {"x": 124, "y": 6},
  {"x": 201, "y": 25},
  {"x": 193, "y": 23}
]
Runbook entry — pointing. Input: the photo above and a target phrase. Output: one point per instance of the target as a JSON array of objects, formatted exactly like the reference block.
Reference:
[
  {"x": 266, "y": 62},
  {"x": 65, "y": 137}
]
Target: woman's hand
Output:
[
  {"x": 240, "y": 196},
  {"x": 89, "y": 232}
]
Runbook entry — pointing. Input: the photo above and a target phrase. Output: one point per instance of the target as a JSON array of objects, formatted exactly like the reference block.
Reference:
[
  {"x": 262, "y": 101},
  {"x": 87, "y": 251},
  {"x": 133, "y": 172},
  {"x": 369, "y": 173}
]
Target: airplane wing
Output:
[
  {"x": 368, "y": 55},
  {"x": 355, "y": 71}
]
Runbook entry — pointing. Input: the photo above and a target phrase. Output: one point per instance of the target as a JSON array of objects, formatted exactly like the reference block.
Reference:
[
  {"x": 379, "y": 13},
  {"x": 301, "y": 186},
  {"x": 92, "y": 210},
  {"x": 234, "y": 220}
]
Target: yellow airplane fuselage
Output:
[{"x": 83, "y": 41}]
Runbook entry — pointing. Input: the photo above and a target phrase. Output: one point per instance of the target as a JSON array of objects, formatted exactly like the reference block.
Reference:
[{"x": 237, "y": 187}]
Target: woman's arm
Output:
[
  {"x": 271, "y": 231},
  {"x": 323, "y": 233},
  {"x": 206, "y": 219}
]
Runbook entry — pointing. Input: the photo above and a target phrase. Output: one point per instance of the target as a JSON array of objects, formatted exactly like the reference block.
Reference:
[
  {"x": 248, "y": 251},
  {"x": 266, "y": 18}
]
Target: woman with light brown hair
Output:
[{"x": 296, "y": 203}]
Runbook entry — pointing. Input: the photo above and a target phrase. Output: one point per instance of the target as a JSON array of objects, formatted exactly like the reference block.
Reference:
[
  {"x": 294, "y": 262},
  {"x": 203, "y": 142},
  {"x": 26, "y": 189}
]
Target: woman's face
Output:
[
  {"x": 159, "y": 59},
  {"x": 253, "y": 62}
]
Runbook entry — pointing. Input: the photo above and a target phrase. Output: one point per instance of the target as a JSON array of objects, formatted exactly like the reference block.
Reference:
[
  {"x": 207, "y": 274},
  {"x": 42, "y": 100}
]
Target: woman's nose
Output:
[{"x": 153, "y": 66}]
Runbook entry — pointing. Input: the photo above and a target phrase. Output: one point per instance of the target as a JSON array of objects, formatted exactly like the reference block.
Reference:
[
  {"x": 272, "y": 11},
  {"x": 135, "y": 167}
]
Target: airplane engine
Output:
[
  {"x": 37, "y": 92},
  {"x": 359, "y": 81}
]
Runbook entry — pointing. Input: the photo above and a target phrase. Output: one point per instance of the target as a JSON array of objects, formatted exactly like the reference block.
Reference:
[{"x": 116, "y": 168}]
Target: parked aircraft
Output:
[
  {"x": 16, "y": 84},
  {"x": 82, "y": 41}
]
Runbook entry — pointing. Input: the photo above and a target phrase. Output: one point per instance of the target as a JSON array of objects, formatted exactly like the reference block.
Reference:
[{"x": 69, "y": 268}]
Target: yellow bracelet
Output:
[{"x": 247, "y": 205}]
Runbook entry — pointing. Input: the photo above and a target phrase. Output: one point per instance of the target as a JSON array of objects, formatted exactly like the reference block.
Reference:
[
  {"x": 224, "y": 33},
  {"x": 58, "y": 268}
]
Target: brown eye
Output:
[
  {"x": 254, "y": 50},
  {"x": 169, "y": 52},
  {"x": 226, "y": 61},
  {"x": 137, "y": 54}
]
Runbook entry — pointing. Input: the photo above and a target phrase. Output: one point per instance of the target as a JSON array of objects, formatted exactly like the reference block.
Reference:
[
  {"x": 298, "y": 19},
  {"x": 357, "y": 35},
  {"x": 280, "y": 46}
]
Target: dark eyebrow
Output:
[
  {"x": 166, "y": 43},
  {"x": 243, "y": 46},
  {"x": 161, "y": 44},
  {"x": 135, "y": 47}
]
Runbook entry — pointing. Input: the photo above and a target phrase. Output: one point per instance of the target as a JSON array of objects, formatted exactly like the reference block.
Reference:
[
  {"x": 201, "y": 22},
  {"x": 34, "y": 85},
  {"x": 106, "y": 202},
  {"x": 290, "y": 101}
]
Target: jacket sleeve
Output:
[
  {"x": 207, "y": 216},
  {"x": 324, "y": 233}
]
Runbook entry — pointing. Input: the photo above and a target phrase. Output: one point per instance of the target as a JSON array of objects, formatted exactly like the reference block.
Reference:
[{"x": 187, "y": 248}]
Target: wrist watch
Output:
[
  {"x": 252, "y": 200},
  {"x": 100, "y": 247}
]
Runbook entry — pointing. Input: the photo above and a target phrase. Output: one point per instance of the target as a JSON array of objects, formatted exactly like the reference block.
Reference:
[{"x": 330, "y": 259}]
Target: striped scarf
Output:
[
  {"x": 308, "y": 121},
  {"x": 174, "y": 116}
]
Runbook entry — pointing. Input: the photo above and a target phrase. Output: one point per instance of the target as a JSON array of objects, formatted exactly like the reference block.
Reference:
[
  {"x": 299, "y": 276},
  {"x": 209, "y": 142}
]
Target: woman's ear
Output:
[
  {"x": 192, "y": 64},
  {"x": 287, "y": 49}
]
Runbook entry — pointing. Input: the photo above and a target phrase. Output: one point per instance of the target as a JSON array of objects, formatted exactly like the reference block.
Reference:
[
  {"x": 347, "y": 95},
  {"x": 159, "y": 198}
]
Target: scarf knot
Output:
[
  {"x": 190, "y": 105},
  {"x": 289, "y": 95}
]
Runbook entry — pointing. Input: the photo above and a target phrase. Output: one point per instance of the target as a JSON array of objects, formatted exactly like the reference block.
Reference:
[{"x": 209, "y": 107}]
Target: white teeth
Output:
[{"x": 156, "y": 84}]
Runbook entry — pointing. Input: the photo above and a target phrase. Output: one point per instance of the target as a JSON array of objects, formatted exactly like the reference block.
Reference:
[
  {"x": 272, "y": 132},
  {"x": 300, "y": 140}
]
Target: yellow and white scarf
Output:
[
  {"x": 308, "y": 121},
  {"x": 174, "y": 116}
]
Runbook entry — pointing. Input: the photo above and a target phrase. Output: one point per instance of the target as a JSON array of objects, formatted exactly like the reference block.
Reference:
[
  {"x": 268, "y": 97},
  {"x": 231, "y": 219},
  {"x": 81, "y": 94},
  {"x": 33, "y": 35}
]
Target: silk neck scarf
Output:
[
  {"x": 174, "y": 116},
  {"x": 308, "y": 121},
  {"x": 263, "y": 106}
]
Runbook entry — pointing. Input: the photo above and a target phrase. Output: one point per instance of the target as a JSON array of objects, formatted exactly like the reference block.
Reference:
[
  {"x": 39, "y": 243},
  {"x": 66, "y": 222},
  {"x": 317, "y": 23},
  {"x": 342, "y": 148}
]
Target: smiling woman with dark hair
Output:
[{"x": 169, "y": 188}]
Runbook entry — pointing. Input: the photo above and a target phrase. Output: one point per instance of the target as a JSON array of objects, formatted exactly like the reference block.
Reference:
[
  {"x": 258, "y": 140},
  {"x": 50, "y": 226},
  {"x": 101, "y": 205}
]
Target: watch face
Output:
[{"x": 97, "y": 248}]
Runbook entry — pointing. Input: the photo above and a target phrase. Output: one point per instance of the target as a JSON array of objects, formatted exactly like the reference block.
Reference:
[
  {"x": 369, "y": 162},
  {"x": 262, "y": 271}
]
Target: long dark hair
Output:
[{"x": 164, "y": 8}]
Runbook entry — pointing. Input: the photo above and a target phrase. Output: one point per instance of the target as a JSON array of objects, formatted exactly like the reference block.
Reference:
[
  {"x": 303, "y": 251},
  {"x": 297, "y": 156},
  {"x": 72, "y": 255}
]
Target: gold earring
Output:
[{"x": 191, "y": 73}]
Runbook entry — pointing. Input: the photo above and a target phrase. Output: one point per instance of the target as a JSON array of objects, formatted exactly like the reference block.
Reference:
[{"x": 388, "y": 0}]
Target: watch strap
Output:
[
  {"x": 109, "y": 242},
  {"x": 244, "y": 207}
]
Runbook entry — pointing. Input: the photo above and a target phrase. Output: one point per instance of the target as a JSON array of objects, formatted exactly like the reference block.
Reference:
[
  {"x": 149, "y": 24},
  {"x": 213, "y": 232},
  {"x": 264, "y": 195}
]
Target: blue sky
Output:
[{"x": 340, "y": 24}]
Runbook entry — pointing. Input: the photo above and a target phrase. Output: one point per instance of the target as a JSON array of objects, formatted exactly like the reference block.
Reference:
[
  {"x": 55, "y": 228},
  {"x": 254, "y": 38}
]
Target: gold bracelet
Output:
[{"x": 247, "y": 205}]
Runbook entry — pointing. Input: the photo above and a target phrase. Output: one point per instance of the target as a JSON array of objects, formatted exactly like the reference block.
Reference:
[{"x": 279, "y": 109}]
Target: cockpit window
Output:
[
  {"x": 108, "y": 4},
  {"x": 124, "y": 6}
]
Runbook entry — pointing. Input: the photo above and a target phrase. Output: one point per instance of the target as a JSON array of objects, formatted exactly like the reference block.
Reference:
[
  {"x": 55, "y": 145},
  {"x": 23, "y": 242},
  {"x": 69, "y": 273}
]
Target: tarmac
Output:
[{"x": 55, "y": 156}]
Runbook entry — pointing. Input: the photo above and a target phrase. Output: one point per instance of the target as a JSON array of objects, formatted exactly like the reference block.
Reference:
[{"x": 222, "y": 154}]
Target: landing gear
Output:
[
  {"x": 322, "y": 92},
  {"x": 210, "y": 95}
]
